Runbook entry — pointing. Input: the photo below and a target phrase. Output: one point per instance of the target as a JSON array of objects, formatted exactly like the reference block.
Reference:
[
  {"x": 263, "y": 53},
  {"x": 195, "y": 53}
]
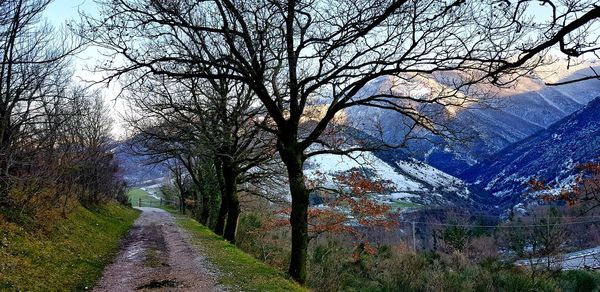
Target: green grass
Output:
[
  {"x": 403, "y": 205},
  {"x": 69, "y": 255},
  {"x": 239, "y": 271},
  {"x": 136, "y": 194}
]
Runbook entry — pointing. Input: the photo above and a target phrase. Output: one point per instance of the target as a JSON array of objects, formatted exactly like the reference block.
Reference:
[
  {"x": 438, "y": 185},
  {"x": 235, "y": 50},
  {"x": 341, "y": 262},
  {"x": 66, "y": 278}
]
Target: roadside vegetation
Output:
[
  {"x": 64, "y": 254},
  {"x": 458, "y": 259},
  {"x": 464, "y": 259},
  {"x": 237, "y": 269},
  {"x": 60, "y": 217}
]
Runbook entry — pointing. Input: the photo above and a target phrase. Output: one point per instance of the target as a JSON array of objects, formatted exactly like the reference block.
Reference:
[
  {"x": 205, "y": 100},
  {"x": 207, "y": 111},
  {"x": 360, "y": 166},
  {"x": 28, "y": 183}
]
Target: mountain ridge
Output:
[{"x": 550, "y": 155}]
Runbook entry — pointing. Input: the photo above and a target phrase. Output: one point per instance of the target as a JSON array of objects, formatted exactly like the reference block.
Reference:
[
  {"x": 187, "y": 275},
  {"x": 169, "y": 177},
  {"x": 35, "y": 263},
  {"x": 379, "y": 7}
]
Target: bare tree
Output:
[
  {"x": 539, "y": 240},
  {"x": 216, "y": 116},
  {"x": 297, "y": 55},
  {"x": 33, "y": 68}
]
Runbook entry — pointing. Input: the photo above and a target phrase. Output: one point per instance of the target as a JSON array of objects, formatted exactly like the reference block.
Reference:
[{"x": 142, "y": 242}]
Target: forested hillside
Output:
[{"x": 551, "y": 155}]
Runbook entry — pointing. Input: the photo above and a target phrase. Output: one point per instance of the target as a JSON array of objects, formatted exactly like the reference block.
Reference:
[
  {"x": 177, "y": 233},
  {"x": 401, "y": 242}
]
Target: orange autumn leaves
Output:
[
  {"x": 349, "y": 207},
  {"x": 584, "y": 188}
]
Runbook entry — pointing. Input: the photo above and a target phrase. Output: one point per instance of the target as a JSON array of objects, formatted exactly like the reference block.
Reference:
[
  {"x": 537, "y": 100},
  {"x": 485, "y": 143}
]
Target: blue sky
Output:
[
  {"x": 60, "y": 11},
  {"x": 57, "y": 14}
]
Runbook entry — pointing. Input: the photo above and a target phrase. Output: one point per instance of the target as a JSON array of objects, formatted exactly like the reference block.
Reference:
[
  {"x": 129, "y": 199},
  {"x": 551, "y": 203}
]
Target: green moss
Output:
[
  {"x": 71, "y": 255},
  {"x": 238, "y": 270}
]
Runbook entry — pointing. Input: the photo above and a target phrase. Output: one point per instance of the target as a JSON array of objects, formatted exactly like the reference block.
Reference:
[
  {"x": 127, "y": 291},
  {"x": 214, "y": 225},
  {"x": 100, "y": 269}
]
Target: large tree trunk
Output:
[
  {"x": 205, "y": 212},
  {"x": 223, "y": 208},
  {"x": 292, "y": 157},
  {"x": 233, "y": 203}
]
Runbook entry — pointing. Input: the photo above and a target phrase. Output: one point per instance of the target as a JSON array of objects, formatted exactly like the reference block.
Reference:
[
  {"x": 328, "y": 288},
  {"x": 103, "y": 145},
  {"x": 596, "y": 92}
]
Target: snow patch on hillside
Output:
[
  {"x": 406, "y": 181},
  {"x": 330, "y": 165}
]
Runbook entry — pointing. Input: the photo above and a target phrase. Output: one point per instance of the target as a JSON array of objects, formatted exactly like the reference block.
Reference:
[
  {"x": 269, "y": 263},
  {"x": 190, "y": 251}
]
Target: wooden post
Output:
[
  {"x": 139, "y": 202},
  {"x": 414, "y": 237},
  {"x": 548, "y": 264}
]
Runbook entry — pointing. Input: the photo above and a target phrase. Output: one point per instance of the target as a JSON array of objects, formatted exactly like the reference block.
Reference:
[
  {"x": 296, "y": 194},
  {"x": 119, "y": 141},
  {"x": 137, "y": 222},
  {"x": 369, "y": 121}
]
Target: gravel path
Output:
[{"x": 156, "y": 256}]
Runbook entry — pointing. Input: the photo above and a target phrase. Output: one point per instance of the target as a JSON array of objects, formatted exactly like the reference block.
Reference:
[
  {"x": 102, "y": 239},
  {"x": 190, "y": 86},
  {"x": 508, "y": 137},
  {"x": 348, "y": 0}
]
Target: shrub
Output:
[{"x": 579, "y": 281}]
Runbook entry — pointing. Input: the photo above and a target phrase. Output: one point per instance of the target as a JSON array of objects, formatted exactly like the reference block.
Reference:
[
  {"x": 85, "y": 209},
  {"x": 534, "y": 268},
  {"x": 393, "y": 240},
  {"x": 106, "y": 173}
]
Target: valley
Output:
[{"x": 299, "y": 145}]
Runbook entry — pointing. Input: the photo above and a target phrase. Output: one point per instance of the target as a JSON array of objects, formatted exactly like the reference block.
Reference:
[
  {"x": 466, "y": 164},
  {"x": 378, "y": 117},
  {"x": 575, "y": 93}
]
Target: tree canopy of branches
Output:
[
  {"x": 296, "y": 55},
  {"x": 54, "y": 134},
  {"x": 193, "y": 122}
]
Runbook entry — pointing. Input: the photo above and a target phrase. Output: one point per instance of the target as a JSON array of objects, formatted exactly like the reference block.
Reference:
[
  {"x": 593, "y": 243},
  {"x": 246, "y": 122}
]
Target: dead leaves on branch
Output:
[
  {"x": 584, "y": 188},
  {"x": 349, "y": 208}
]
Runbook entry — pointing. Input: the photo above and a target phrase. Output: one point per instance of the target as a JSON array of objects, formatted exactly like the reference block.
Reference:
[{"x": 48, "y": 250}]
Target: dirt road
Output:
[{"x": 156, "y": 256}]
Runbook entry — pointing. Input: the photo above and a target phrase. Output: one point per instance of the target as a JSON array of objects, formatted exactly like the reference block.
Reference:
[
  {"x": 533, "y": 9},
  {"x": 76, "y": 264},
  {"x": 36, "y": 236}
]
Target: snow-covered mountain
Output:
[
  {"x": 550, "y": 155},
  {"x": 511, "y": 115},
  {"x": 409, "y": 182},
  {"x": 135, "y": 169}
]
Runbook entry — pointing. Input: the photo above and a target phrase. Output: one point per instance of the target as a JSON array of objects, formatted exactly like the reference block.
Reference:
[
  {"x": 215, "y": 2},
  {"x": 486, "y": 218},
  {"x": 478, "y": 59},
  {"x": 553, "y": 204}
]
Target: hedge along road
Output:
[{"x": 156, "y": 256}]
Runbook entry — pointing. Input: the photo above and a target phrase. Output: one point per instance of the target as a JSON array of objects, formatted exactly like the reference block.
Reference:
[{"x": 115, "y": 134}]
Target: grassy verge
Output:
[
  {"x": 70, "y": 255},
  {"x": 238, "y": 270}
]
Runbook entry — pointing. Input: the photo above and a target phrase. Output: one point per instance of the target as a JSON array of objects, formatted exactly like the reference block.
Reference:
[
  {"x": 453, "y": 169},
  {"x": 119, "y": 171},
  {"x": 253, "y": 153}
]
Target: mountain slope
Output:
[
  {"x": 407, "y": 180},
  {"x": 549, "y": 155},
  {"x": 517, "y": 112},
  {"x": 135, "y": 169}
]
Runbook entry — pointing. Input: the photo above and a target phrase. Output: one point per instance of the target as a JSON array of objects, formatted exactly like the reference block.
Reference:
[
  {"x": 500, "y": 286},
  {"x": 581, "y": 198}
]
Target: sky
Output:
[
  {"x": 61, "y": 11},
  {"x": 58, "y": 13}
]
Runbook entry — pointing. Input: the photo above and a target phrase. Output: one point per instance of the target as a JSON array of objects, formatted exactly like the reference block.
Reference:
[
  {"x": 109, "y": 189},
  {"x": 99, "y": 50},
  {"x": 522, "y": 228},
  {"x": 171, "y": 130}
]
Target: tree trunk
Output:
[
  {"x": 181, "y": 203},
  {"x": 233, "y": 203},
  {"x": 4, "y": 185},
  {"x": 222, "y": 216},
  {"x": 195, "y": 206},
  {"x": 292, "y": 157},
  {"x": 223, "y": 208},
  {"x": 4, "y": 162},
  {"x": 205, "y": 212}
]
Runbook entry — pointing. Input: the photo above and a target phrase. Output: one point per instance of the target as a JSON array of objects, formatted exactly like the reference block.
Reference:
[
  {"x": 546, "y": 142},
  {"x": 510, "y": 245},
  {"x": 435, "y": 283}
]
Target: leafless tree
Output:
[
  {"x": 217, "y": 116},
  {"x": 538, "y": 239},
  {"x": 297, "y": 55},
  {"x": 33, "y": 69}
]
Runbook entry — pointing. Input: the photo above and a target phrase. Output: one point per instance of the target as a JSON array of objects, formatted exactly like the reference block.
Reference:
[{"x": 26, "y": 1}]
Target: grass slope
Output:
[
  {"x": 238, "y": 270},
  {"x": 69, "y": 255},
  {"x": 136, "y": 194}
]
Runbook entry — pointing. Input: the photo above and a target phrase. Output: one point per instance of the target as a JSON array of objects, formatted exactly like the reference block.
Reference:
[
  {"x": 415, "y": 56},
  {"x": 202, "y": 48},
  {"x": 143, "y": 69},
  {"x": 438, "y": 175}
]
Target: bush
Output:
[
  {"x": 511, "y": 280},
  {"x": 579, "y": 281},
  {"x": 248, "y": 233},
  {"x": 271, "y": 247}
]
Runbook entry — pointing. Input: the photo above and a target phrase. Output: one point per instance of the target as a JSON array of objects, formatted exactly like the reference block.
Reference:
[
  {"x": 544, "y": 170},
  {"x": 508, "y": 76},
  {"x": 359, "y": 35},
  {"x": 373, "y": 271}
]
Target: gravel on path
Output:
[{"x": 156, "y": 256}]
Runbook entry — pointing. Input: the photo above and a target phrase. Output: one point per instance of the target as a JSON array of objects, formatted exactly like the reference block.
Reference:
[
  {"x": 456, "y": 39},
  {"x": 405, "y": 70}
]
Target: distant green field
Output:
[
  {"x": 136, "y": 194},
  {"x": 397, "y": 205}
]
